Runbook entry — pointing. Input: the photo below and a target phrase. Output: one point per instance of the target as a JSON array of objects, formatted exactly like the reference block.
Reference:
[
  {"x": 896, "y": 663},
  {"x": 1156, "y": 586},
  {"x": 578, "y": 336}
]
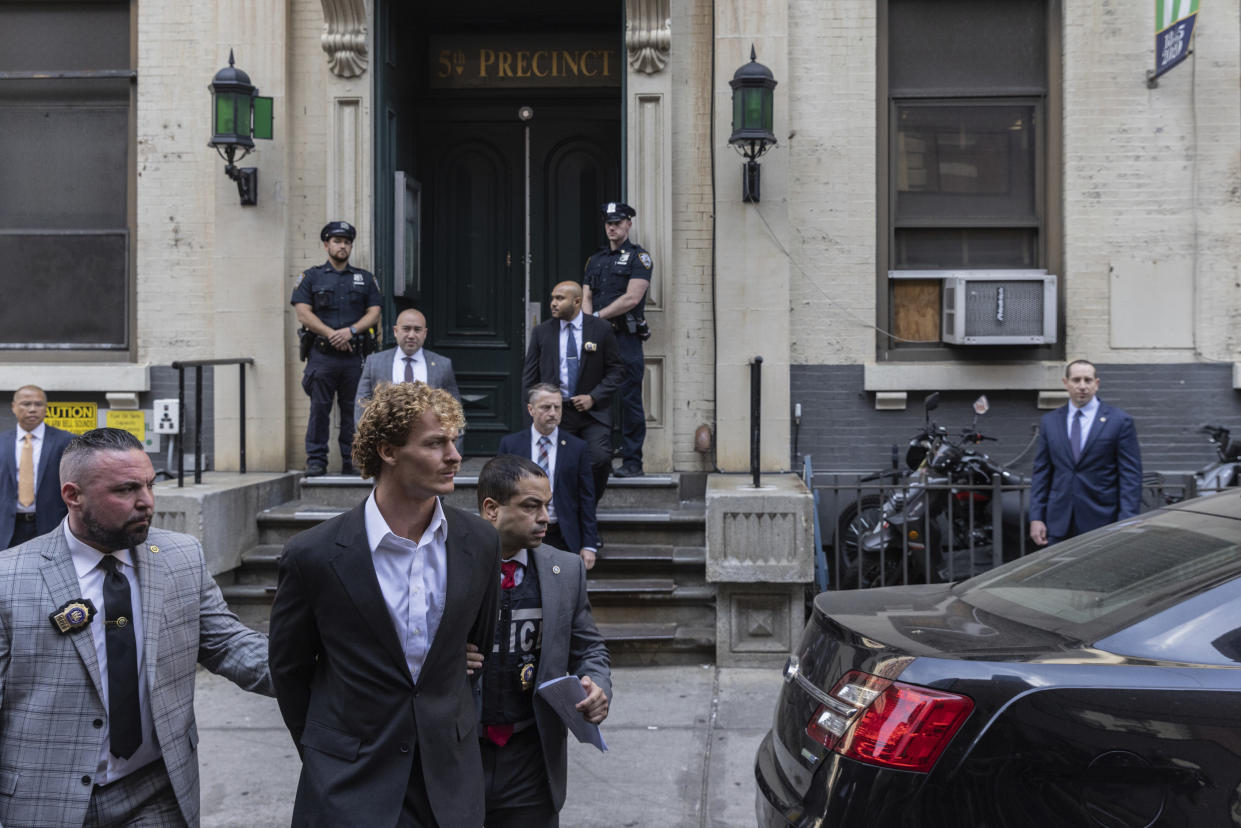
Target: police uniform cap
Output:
[
  {"x": 618, "y": 211},
  {"x": 338, "y": 228}
]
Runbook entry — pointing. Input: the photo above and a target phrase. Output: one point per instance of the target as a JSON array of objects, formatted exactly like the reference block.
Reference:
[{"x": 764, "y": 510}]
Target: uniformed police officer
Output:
[
  {"x": 336, "y": 305},
  {"x": 614, "y": 288}
]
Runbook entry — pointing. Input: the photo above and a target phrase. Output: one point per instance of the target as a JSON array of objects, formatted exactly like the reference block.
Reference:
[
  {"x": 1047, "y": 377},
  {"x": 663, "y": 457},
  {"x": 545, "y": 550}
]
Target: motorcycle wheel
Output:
[
  {"x": 856, "y": 518},
  {"x": 890, "y": 571}
]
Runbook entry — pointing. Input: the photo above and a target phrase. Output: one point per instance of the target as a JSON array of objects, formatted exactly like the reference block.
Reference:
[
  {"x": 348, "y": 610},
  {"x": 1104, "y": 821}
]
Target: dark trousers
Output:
[
  {"x": 23, "y": 530},
  {"x": 515, "y": 781},
  {"x": 598, "y": 438},
  {"x": 416, "y": 809},
  {"x": 633, "y": 418},
  {"x": 327, "y": 376}
]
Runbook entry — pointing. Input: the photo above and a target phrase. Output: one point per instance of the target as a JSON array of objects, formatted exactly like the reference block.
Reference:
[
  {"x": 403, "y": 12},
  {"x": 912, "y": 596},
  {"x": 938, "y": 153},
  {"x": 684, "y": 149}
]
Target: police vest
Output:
[{"x": 509, "y": 675}]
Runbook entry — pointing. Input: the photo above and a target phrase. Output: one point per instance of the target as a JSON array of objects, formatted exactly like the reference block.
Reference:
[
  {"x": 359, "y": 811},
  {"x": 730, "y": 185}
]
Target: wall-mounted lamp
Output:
[
  {"x": 753, "y": 95},
  {"x": 238, "y": 116}
]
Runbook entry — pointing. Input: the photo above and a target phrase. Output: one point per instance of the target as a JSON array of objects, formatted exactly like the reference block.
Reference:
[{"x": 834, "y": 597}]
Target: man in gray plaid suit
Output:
[{"x": 102, "y": 621}]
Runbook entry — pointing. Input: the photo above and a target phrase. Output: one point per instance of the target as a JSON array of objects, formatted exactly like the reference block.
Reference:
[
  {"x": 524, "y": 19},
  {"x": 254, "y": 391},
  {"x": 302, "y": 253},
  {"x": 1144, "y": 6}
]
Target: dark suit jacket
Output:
[
  {"x": 571, "y": 645},
  {"x": 573, "y": 490},
  {"x": 378, "y": 368},
  {"x": 600, "y": 370},
  {"x": 1103, "y": 486},
  {"x": 49, "y": 508},
  {"x": 345, "y": 690}
]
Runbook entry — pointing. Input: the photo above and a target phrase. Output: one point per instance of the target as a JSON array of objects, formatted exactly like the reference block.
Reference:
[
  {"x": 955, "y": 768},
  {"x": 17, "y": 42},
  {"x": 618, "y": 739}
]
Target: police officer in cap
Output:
[
  {"x": 336, "y": 305},
  {"x": 614, "y": 288}
]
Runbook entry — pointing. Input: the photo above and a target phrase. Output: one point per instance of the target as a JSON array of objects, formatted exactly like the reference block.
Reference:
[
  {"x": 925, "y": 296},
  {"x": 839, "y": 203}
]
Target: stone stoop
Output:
[{"x": 648, "y": 590}]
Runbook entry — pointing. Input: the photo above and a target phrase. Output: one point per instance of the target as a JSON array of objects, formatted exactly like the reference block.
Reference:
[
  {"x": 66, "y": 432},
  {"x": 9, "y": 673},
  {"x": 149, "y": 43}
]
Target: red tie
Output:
[{"x": 508, "y": 569}]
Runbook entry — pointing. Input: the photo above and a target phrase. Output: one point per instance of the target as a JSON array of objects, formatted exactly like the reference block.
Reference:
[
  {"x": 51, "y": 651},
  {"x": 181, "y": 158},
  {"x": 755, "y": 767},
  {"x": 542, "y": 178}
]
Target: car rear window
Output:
[{"x": 1104, "y": 581}]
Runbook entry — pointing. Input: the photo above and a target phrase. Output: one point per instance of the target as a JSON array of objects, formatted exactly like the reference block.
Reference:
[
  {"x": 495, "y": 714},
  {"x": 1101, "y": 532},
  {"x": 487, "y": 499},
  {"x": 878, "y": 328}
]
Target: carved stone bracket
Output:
[
  {"x": 648, "y": 34},
  {"x": 344, "y": 37}
]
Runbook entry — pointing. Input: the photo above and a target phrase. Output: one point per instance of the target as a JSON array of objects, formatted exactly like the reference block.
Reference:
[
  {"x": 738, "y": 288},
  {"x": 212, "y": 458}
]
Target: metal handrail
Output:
[{"x": 197, "y": 365}]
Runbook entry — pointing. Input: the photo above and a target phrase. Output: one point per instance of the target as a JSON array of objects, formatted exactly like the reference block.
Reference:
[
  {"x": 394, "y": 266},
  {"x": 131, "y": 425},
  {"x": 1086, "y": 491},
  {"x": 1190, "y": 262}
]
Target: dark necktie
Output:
[
  {"x": 570, "y": 359},
  {"x": 124, "y": 715},
  {"x": 409, "y": 369},
  {"x": 499, "y": 734},
  {"x": 1075, "y": 436}
]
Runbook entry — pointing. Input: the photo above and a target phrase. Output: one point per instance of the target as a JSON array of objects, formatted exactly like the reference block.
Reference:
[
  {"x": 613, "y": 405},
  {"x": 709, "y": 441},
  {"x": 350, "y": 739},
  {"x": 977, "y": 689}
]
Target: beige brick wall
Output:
[
  {"x": 832, "y": 168},
  {"x": 1151, "y": 176},
  {"x": 691, "y": 338}
]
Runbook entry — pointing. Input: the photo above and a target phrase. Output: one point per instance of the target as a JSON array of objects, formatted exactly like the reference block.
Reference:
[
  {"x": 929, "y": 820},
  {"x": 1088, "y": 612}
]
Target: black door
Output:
[{"x": 496, "y": 190}]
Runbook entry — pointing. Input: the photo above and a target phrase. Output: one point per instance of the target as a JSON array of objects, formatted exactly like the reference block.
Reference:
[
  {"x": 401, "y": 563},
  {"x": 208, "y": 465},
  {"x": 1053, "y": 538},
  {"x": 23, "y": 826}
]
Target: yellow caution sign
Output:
[
  {"x": 132, "y": 421},
  {"x": 76, "y": 417}
]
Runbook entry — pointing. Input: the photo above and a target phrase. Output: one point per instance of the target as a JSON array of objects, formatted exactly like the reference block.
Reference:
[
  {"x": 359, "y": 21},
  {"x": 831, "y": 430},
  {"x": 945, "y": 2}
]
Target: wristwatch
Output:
[{"x": 353, "y": 330}]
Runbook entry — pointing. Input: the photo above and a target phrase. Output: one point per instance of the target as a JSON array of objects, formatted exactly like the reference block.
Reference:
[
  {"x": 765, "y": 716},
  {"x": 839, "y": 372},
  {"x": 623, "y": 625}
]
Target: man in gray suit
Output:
[
  {"x": 102, "y": 621},
  {"x": 545, "y": 631},
  {"x": 407, "y": 362}
]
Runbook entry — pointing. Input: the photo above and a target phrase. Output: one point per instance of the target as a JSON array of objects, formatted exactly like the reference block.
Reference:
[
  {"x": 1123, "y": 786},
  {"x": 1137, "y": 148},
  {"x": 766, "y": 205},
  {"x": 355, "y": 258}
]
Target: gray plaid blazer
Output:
[{"x": 50, "y": 691}]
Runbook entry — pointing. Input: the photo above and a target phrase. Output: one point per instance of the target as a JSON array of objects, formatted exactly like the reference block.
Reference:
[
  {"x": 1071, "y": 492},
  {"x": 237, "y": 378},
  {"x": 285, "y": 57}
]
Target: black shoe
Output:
[
  {"x": 348, "y": 470},
  {"x": 628, "y": 470},
  {"x": 316, "y": 469}
]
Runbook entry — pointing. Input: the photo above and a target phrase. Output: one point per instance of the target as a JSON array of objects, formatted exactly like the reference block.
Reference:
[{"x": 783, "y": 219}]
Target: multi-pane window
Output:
[
  {"x": 66, "y": 89},
  {"x": 966, "y": 146}
]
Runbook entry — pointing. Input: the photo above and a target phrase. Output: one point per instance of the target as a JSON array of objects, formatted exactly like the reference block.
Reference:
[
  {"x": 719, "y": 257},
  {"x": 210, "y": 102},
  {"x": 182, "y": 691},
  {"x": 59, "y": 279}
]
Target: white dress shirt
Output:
[
  {"x": 398, "y": 366},
  {"x": 1089, "y": 410},
  {"x": 413, "y": 578},
  {"x": 37, "y": 441},
  {"x": 522, "y": 557},
  {"x": 554, "y": 439},
  {"x": 574, "y": 325},
  {"x": 90, "y": 579}
]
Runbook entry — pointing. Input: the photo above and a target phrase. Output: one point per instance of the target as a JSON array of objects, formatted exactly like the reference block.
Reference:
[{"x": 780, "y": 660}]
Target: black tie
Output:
[
  {"x": 124, "y": 715},
  {"x": 1075, "y": 436}
]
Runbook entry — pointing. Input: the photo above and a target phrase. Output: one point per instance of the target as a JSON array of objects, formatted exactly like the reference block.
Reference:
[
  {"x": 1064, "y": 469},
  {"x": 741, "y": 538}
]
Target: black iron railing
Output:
[
  {"x": 968, "y": 530},
  {"x": 197, "y": 365}
]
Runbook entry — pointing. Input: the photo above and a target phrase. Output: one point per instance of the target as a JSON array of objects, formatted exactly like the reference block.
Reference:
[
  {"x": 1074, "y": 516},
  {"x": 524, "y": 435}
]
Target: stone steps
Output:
[{"x": 648, "y": 589}]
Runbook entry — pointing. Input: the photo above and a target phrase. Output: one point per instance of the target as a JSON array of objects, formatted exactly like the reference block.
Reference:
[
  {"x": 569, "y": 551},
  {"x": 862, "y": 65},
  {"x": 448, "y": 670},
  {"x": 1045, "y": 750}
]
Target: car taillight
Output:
[{"x": 888, "y": 723}]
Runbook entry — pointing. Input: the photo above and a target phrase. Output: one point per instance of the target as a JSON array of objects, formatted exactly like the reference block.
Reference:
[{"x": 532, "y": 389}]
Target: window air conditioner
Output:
[{"x": 999, "y": 307}]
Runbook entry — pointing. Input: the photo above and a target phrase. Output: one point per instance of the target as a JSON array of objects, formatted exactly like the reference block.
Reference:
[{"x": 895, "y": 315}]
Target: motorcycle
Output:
[
  {"x": 937, "y": 524},
  {"x": 1224, "y": 473}
]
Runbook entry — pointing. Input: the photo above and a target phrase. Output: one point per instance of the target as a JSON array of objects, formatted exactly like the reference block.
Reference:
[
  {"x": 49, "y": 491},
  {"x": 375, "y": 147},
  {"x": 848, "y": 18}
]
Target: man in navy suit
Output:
[
  {"x": 565, "y": 460},
  {"x": 30, "y": 507},
  {"x": 1088, "y": 468}
]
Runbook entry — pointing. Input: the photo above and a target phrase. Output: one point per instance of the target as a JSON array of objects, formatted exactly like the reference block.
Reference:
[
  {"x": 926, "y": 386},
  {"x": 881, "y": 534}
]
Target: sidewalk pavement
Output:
[{"x": 681, "y": 752}]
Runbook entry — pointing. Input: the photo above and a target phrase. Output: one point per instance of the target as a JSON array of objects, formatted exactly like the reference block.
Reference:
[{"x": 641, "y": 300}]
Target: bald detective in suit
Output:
[
  {"x": 372, "y": 614},
  {"x": 19, "y": 522},
  {"x": 80, "y": 744},
  {"x": 423, "y": 365}
]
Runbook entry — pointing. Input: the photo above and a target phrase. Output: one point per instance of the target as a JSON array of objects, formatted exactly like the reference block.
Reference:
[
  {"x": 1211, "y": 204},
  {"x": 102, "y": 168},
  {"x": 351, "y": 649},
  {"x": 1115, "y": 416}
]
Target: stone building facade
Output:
[{"x": 1136, "y": 192}]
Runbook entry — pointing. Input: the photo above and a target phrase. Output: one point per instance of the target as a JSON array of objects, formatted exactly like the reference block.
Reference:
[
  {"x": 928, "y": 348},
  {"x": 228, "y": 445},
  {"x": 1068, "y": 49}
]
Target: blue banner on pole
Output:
[{"x": 1172, "y": 44}]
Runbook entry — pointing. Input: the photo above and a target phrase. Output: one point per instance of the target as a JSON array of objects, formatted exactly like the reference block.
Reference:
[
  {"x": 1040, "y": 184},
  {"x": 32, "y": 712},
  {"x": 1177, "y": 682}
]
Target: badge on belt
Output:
[
  {"x": 525, "y": 674},
  {"x": 73, "y": 615}
]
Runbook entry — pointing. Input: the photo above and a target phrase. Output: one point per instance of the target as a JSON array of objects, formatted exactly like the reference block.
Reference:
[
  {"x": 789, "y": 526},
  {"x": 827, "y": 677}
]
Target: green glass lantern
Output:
[
  {"x": 238, "y": 116},
  {"x": 753, "y": 101}
]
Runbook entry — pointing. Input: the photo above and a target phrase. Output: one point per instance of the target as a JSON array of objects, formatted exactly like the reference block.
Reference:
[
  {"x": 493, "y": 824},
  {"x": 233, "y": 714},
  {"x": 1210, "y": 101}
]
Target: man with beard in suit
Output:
[{"x": 578, "y": 354}]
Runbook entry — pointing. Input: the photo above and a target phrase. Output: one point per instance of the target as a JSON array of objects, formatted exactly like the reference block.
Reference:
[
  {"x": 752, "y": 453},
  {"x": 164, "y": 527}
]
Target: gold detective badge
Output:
[
  {"x": 74, "y": 615},
  {"x": 526, "y": 675}
]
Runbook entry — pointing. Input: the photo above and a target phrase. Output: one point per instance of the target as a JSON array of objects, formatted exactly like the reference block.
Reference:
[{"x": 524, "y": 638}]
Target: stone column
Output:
[
  {"x": 752, "y": 268},
  {"x": 648, "y": 84},
  {"x": 760, "y": 546},
  {"x": 248, "y": 259}
]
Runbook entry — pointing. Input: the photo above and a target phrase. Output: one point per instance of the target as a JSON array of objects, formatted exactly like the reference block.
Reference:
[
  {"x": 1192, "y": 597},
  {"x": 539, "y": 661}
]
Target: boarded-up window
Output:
[{"x": 65, "y": 100}]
